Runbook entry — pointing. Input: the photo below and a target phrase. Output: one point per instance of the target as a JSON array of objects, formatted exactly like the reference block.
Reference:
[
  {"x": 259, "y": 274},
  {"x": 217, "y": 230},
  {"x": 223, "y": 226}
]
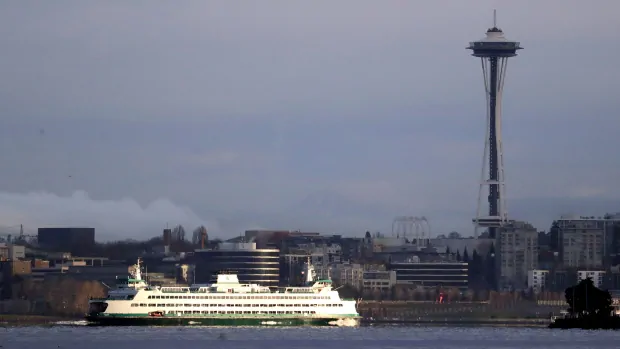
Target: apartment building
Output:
[
  {"x": 597, "y": 276},
  {"x": 587, "y": 241},
  {"x": 537, "y": 279},
  {"x": 518, "y": 254}
]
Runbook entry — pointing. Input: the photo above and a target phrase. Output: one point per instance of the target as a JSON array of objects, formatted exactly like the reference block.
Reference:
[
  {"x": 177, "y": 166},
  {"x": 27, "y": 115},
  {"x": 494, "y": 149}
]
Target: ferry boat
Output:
[{"x": 226, "y": 302}]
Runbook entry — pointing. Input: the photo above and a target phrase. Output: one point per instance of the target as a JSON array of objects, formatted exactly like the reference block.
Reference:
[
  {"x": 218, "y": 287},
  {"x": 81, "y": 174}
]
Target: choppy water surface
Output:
[{"x": 82, "y": 337}]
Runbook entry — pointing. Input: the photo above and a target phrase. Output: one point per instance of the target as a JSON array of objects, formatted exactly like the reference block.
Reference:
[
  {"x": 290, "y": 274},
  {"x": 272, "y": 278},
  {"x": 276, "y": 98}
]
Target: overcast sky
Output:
[{"x": 330, "y": 116}]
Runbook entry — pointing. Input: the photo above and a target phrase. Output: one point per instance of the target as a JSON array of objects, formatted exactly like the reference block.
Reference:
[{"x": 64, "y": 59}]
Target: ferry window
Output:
[
  {"x": 171, "y": 305},
  {"x": 142, "y": 305},
  {"x": 149, "y": 297},
  {"x": 151, "y": 305},
  {"x": 134, "y": 305},
  {"x": 161, "y": 305}
]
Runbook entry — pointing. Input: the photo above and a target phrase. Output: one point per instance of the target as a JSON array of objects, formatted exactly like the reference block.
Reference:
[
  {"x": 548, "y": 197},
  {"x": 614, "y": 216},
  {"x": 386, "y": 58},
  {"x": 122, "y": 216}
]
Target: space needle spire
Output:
[{"x": 493, "y": 51}]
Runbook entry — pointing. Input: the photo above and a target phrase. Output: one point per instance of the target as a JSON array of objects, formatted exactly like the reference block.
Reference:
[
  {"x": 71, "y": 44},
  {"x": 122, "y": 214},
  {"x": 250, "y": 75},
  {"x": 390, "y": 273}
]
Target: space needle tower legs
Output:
[{"x": 493, "y": 51}]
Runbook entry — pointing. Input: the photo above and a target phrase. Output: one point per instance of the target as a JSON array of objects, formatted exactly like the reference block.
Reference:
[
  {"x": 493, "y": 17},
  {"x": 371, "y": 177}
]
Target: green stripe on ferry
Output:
[{"x": 233, "y": 316}]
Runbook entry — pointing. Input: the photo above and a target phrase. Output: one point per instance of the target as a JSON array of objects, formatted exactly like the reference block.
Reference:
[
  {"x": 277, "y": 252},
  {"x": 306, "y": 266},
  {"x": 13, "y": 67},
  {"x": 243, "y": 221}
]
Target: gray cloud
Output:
[
  {"x": 112, "y": 219},
  {"x": 327, "y": 116}
]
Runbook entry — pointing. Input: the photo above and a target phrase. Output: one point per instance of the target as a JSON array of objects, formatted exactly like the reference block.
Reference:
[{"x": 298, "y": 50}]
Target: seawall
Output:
[{"x": 457, "y": 312}]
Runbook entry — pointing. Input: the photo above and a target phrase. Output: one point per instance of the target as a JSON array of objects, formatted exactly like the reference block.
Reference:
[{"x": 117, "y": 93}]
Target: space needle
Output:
[{"x": 493, "y": 51}]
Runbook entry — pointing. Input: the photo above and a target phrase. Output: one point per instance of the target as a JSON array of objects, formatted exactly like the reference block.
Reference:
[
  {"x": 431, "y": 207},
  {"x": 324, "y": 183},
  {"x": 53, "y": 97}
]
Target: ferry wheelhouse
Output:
[{"x": 226, "y": 302}]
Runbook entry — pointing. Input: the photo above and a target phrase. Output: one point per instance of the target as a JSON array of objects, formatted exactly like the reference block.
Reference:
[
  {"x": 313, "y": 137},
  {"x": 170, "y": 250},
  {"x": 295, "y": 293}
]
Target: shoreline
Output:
[
  {"x": 30, "y": 320},
  {"x": 478, "y": 321}
]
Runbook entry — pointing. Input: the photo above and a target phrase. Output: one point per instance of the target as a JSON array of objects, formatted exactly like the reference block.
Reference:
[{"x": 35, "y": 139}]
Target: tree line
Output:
[{"x": 62, "y": 296}]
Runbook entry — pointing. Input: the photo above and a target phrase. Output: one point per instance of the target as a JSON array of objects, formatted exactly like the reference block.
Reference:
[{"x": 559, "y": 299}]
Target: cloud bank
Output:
[{"x": 112, "y": 219}]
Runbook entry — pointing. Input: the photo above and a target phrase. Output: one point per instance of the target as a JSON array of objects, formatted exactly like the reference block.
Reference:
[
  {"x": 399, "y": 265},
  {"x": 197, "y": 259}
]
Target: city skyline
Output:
[{"x": 323, "y": 117}]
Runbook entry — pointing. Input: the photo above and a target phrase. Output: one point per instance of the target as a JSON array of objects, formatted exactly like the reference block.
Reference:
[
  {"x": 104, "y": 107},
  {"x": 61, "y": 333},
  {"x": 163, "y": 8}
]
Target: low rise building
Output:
[
  {"x": 378, "y": 280},
  {"x": 11, "y": 252},
  {"x": 342, "y": 274}
]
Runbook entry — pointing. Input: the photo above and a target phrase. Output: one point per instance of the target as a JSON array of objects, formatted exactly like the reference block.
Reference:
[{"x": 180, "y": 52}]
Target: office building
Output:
[
  {"x": 446, "y": 275},
  {"x": 252, "y": 265}
]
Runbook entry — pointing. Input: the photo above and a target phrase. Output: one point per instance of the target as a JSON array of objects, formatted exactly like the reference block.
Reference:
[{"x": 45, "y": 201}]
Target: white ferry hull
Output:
[{"x": 197, "y": 320}]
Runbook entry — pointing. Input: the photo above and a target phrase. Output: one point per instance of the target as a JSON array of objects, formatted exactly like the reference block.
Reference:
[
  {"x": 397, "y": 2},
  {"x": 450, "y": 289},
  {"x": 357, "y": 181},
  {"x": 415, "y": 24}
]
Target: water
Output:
[{"x": 379, "y": 337}]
